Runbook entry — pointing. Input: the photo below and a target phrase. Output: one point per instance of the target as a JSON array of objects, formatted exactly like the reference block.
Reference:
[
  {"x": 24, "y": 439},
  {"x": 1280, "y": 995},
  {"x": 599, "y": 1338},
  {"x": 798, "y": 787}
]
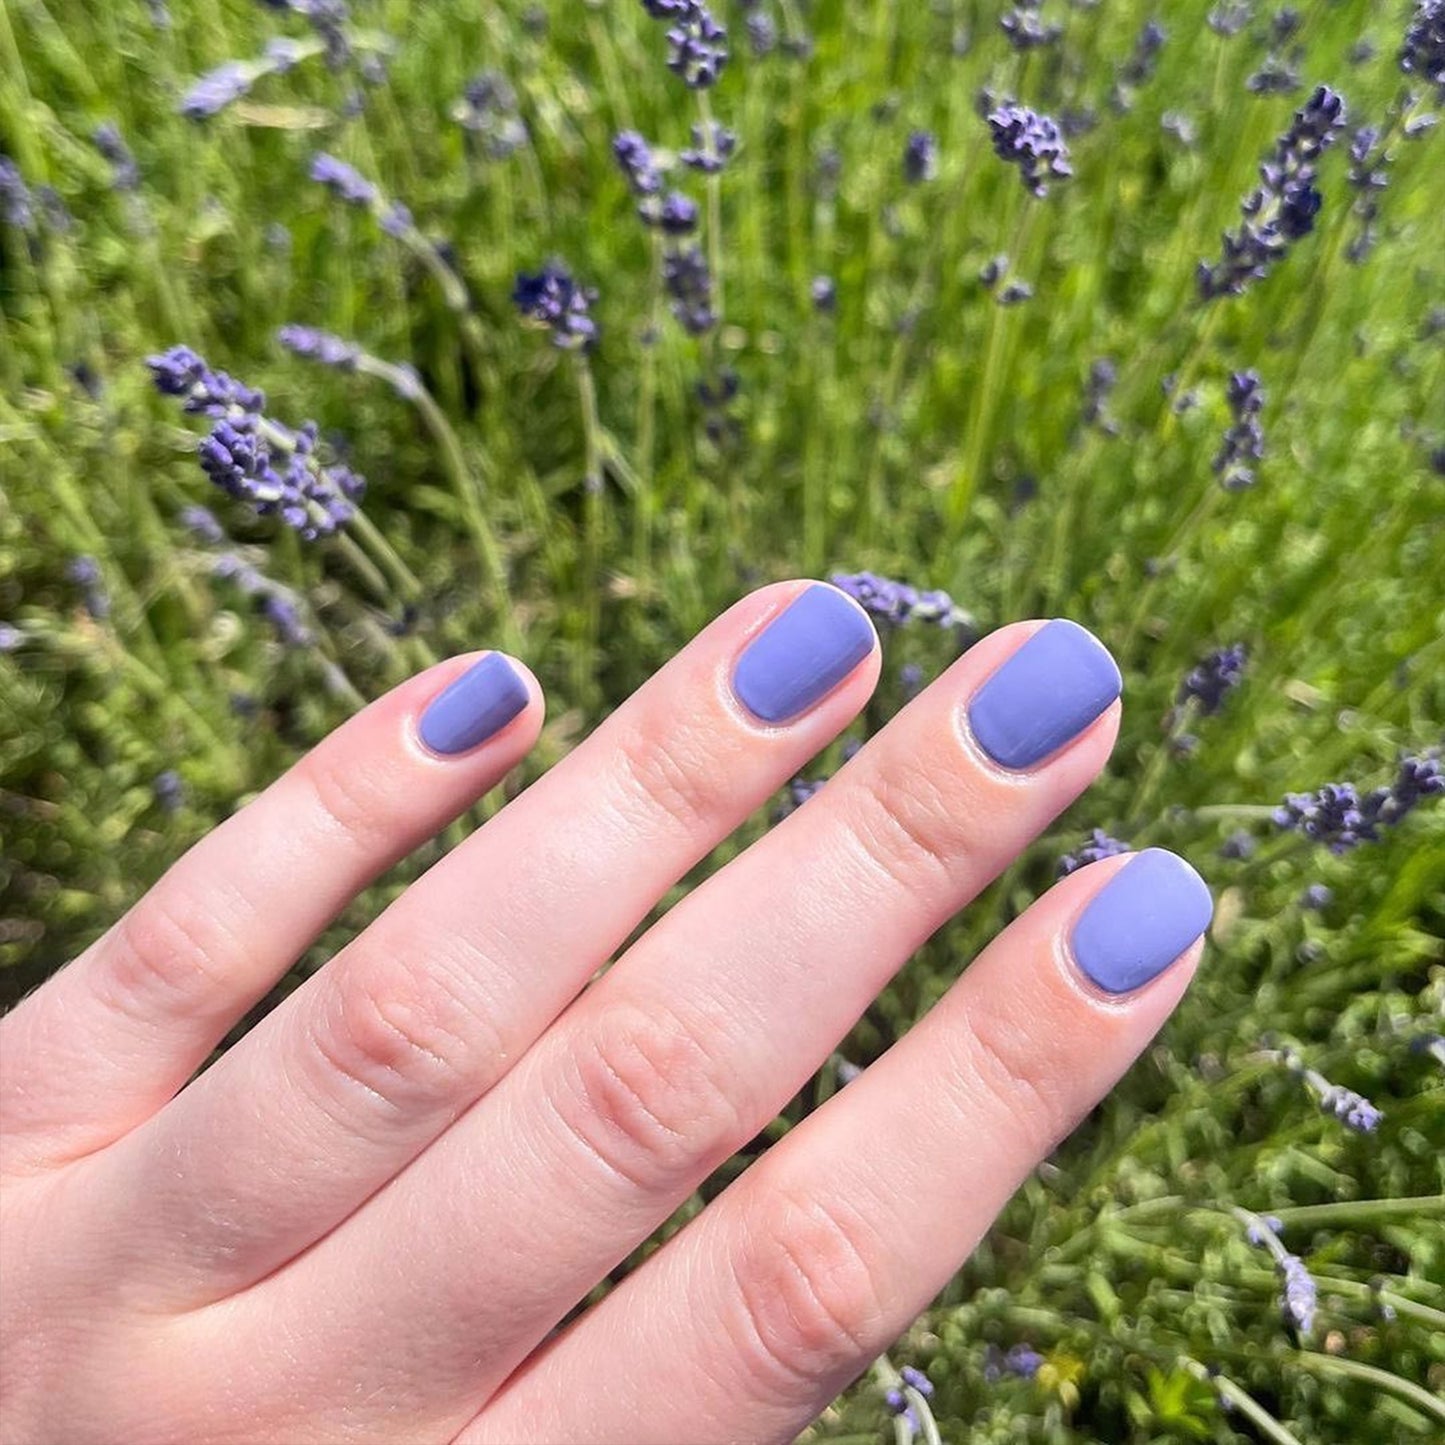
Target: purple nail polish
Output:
[
  {"x": 479, "y": 704},
  {"x": 802, "y": 654},
  {"x": 1047, "y": 693},
  {"x": 1140, "y": 921}
]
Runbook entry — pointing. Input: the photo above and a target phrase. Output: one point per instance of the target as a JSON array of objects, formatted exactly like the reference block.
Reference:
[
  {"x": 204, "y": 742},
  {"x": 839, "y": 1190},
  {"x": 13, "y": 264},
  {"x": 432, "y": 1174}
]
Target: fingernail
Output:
[
  {"x": 1140, "y": 921},
  {"x": 802, "y": 655},
  {"x": 479, "y": 704},
  {"x": 1049, "y": 691}
]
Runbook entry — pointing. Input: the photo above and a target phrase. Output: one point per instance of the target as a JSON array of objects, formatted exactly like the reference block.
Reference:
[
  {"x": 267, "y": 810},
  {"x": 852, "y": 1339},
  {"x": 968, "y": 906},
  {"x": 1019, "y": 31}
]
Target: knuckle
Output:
[
  {"x": 409, "y": 1041},
  {"x": 1005, "y": 1059},
  {"x": 908, "y": 826},
  {"x": 668, "y": 776},
  {"x": 808, "y": 1296},
  {"x": 172, "y": 955},
  {"x": 349, "y": 799},
  {"x": 650, "y": 1098}
]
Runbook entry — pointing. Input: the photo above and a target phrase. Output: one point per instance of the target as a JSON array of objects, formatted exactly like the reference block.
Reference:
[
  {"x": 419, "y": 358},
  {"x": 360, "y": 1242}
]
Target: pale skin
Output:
[{"x": 364, "y": 1222}]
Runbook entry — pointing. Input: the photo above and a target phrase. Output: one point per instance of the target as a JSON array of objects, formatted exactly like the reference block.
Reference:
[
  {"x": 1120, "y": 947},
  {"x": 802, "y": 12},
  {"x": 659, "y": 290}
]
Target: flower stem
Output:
[{"x": 1430, "y": 1405}]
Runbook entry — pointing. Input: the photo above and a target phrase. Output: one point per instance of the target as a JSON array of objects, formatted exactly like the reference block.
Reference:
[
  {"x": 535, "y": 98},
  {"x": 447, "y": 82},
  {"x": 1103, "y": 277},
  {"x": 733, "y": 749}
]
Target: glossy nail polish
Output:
[
  {"x": 802, "y": 655},
  {"x": 1140, "y": 921},
  {"x": 1043, "y": 696},
  {"x": 478, "y": 705}
]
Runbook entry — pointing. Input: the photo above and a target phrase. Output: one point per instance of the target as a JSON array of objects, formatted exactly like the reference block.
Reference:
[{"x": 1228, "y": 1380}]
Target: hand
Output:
[{"x": 364, "y": 1222}]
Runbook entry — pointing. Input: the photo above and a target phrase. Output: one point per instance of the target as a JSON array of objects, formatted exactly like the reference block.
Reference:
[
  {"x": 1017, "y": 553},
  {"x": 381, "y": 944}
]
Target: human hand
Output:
[{"x": 366, "y": 1219}]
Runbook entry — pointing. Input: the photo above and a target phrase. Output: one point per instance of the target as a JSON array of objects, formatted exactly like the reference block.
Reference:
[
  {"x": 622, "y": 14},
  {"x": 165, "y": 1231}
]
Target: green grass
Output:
[{"x": 950, "y": 452}]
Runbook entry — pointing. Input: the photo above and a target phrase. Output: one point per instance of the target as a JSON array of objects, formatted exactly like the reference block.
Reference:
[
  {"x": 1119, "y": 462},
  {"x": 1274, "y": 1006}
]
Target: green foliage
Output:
[{"x": 921, "y": 430}]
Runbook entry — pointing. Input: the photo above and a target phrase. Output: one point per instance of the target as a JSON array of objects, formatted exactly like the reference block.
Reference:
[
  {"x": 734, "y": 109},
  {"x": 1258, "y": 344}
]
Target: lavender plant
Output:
[{"x": 818, "y": 314}]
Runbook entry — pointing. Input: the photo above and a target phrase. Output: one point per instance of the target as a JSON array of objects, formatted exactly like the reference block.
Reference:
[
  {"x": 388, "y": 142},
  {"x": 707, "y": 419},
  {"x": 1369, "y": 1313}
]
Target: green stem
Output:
[
  {"x": 366, "y": 532},
  {"x": 1369, "y": 1211},
  {"x": 1430, "y": 1405},
  {"x": 467, "y": 486},
  {"x": 1252, "y": 1410}
]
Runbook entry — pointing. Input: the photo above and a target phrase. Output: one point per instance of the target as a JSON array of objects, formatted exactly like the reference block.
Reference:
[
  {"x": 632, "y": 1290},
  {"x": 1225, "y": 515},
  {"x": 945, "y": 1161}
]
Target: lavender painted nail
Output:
[
  {"x": 1047, "y": 693},
  {"x": 1142, "y": 919},
  {"x": 478, "y": 705},
  {"x": 802, "y": 655}
]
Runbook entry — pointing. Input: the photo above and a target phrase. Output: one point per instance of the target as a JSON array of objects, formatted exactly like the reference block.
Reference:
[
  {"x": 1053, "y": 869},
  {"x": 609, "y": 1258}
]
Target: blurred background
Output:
[{"x": 575, "y": 321}]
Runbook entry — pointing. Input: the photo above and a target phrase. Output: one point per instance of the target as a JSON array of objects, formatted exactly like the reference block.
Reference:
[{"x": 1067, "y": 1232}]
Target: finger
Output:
[
  {"x": 716, "y": 1017},
  {"x": 112, "y": 1037},
  {"x": 360, "y": 1069},
  {"x": 750, "y": 1321}
]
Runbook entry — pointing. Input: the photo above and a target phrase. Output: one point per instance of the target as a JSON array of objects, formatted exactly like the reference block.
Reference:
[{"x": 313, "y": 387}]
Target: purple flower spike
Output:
[
  {"x": 1283, "y": 207},
  {"x": 1423, "y": 51},
  {"x": 1211, "y": 680},
  {"x": 920, "y": 157},
  {"x": 1031, "y": 142},
  {"x": 342, "y": 180},
  {"x": 551, "y": 298},
  {"x": 1099, "y": 845},
  {"x": 216, "y": 90}
]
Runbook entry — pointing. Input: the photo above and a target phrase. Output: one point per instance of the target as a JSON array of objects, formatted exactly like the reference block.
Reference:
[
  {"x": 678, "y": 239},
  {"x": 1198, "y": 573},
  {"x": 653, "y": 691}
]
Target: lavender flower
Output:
[
  {"x": 1231, "y": 17},
  {"x": 169, "y": 791},
  {"x": 1025, "y": 29},
  {"x": 1022, "y": 1361},
  {"x": 1353, "y": 1110},
  {"x": 762, "y": 34},
  {"x": 488, "y": 110},
  {"x": 255, "y": 459},
  {"x": 1317, "y": 897},
  {"x": 320, "y": 346},
  {"x": 1244, "y": 440},
  {"x": 920, "y": 157},
  {"x": 183, "y": 374},
  {"x": 824, "y": 293},
  {"x": 16, "y": 208},
  {"x": 84, "y": 572},
  {"x": 673, "y": 215},
  {"x": 697, "y": 43},
  {"x": 1356, "y": 1111},
  {"x": 1032, "y": 142},
  {"x": 1103, "y": 378},
  {"x": 688, "y": 283},
  {"x": 634, "y": 156},
  {"x": 1238, "y": 846},
  {"x": 218, "y": 89},
  {"x": 124, "y": 173},
  {"x": 201, "y": 523},
  {"x": 1369, "y": 174},
  {"x": 1299, "y": 1293},
  {"x": 1211, "y": 679},
  {"x": 12, "y": 639},
  {"x": 1276, "y": 76},
  {"x": 712, "y": 148},
  {"x": 1015, "y": 293},
  {"x": 1423, "y": 50},
  {"x": 897, "y": 603},
  {"x": 917, "y": 1380},
  {"x": 1139, "y": 69},
  {"x": 1332, "y": 815},
  {"x": 343, "y": 180},
  {"x": 553, "y": 299},
  {"x": 1282, "y": 208},
  {"x": 1099, "y": 845}
]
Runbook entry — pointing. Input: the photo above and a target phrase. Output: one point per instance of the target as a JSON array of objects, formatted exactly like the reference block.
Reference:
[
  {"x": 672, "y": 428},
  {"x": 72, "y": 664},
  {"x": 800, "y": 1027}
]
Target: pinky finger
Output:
[
  {"x": 114, "y": 1036},
  {"x": 754, "y": 1317}
]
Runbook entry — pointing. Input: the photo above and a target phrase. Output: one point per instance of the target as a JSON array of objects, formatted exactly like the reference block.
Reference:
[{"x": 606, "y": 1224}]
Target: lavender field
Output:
[{"x": 335, "y": 339}]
